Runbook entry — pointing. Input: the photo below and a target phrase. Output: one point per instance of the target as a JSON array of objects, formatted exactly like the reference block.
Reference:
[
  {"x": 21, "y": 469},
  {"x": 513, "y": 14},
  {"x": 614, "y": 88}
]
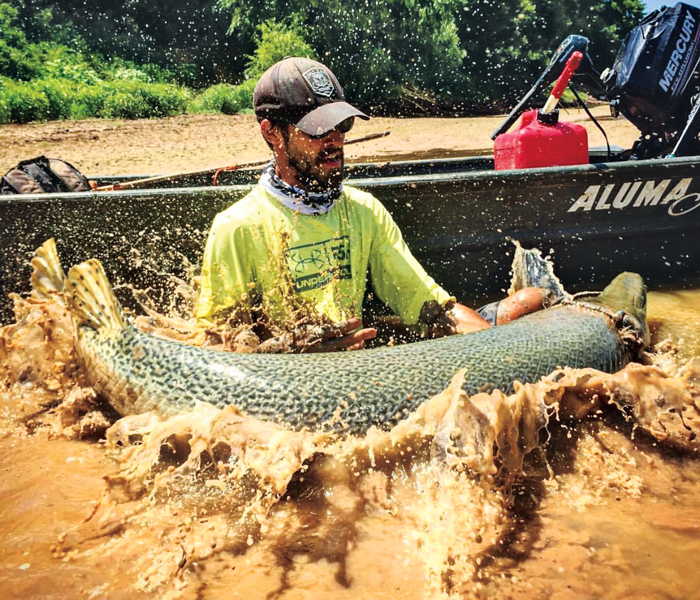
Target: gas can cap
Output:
[{"x": 548, "y": 118}]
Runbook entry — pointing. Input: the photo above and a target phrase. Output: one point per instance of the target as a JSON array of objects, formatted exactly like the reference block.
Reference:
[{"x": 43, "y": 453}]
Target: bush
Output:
[
  {"x": 216, "y": 99},
  {"x": 134, "y": 100},
  {"x": 43, "y": 100},
  {"x": 39, "y": 100},
  {"x": 277, "y": 41},
  {"x": 244, "y": 95},
  {"x": 165, "y": 100},
  {"x": 89, "y": 101},
  {"x": 225, "y": 98},
  {"x": 126, "y": 70},
  {"x": 122, "y": 105},
  {"x": 60, "y": 95},
  {"x": 4, "y": 105},
  {"x": 24, "y": 102},
  {"x": 61, "y": 62}
]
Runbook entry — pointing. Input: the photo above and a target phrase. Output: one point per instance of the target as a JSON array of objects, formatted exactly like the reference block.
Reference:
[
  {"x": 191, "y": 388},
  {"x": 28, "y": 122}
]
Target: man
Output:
[{"x": 301, "y": 241}]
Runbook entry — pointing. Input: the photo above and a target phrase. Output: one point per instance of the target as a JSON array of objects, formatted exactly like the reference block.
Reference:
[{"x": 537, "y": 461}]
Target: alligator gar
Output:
[{"x": 349, "y": 391}]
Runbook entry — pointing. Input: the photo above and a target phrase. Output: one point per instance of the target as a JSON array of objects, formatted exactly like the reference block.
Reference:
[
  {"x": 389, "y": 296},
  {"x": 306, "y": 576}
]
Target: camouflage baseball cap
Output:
[{"x": 303, "y": 93}]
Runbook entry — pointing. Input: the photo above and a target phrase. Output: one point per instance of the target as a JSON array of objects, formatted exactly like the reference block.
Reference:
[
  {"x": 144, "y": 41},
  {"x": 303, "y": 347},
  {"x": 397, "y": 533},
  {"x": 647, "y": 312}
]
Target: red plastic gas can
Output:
[{"x": 541, "y": 141}]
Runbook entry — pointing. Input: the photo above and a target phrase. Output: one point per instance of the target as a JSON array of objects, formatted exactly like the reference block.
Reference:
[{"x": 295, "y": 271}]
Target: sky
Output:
[{"x": 654, "y": 4}]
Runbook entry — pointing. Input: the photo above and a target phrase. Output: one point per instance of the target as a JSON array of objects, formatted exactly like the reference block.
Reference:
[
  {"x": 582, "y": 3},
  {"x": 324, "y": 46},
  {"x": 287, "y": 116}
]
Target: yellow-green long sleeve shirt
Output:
[{"x": 261, "y": 252}]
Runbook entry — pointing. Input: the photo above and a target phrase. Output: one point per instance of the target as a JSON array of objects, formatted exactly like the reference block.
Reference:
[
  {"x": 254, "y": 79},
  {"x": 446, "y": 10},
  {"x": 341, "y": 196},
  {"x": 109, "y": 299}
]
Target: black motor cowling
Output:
[{"x": 655, "y": 79}]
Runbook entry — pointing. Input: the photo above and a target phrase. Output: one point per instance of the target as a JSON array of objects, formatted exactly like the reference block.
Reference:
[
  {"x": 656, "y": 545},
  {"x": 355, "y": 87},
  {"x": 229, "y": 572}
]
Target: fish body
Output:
[{"x": 353, "y": 391}]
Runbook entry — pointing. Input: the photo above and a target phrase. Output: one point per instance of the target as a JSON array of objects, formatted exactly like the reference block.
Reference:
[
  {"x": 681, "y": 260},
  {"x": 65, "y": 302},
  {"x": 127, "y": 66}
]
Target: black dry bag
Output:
[{"x": 43, "y": 175}]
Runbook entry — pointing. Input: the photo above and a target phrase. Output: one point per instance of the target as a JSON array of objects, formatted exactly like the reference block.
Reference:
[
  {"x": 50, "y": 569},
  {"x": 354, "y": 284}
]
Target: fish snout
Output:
[{"x": 635, "y": 325}]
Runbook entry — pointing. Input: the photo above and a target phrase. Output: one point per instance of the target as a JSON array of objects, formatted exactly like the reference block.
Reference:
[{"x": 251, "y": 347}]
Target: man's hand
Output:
[
  {"x": 345, "y": 335},
  {"x": 332, "y": 337},
  {"x": 450, "y": 319}
]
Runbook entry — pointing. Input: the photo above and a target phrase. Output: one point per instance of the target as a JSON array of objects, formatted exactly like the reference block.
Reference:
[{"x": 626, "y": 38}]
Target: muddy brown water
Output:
[{"x": 210, "y": 505}]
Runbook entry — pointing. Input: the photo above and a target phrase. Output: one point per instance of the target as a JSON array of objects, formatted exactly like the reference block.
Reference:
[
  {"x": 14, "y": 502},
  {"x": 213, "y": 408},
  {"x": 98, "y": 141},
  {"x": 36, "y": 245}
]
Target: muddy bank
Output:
[{"x": 194, "y": 142}]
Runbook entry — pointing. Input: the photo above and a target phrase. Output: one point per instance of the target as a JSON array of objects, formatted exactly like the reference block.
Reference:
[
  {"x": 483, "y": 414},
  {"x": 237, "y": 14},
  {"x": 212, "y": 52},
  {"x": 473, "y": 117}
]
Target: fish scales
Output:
[{"x": 139, "y": 372}]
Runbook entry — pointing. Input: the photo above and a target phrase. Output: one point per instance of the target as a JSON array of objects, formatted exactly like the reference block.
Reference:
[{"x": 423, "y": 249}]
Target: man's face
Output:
[{"x": 314, "y": 164}]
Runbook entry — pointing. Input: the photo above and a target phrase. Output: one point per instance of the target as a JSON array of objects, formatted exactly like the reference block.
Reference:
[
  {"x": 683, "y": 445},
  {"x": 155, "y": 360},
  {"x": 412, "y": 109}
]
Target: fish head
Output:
[{"x": 626, "y": 297}]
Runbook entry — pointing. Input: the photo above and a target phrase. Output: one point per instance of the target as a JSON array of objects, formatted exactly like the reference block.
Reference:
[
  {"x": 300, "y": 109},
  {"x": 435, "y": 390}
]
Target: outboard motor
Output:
[{"x": 655, "y": 81}]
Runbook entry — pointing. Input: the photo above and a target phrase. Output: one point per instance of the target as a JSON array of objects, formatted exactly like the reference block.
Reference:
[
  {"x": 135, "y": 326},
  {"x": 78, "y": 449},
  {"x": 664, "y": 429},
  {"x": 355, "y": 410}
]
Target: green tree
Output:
[
  {"x": 377, "y": 49},
  {"x": 399, "y": 56},
  {"x": 188, "y": 37},
  {"x": 497, "y": 62},
  {"x": 604, "y": 22},
  {"x": 276, "y": 42},
  {"x": 509, "y": 43},
  {"x": 484, "y": 51},
  {"x": 14, "y": 61}
]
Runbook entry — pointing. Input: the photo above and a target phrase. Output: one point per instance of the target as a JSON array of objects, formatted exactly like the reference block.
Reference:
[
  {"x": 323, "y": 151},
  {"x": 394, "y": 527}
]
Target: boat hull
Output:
[{"x": 596, "y": 220}]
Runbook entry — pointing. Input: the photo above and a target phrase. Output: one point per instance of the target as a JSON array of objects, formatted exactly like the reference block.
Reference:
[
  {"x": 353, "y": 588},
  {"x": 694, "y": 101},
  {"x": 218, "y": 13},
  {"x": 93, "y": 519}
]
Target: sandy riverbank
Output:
[{"x": 193, "y": 142}]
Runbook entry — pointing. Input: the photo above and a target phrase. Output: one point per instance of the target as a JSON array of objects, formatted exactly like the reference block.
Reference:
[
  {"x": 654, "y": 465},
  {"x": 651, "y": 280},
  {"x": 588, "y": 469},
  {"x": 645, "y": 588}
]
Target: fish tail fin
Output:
[
  {"x": 91, "y": 299},
  {"x": 48, "y": 278}
]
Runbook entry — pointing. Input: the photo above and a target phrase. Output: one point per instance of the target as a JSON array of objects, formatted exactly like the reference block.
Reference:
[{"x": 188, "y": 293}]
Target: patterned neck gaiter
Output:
[{"x": 307, "y": 203}]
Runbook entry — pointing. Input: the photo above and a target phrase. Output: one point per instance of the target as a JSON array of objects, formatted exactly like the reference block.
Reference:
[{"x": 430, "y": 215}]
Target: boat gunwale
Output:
[{"x": 542, "y": 176}]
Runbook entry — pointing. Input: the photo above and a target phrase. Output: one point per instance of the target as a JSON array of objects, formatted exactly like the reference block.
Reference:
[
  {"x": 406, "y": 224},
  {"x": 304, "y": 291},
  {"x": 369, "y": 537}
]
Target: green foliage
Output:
[
  {"x": 394, "y": 56},
  {"x": 375, "y": 48},
  {"x": 604, "y": 22},
  {"x": 181, "y": 36},
  {"x": 223, "y": 98},
  {"x": 13, "y": 45},
  {"x": 481, "y": 51},
  {"x": 49, "y": 99},
  {"x": 277, "y": 41},
  {"x": 44, "y": 80},
  {"x": 244, "y": 95},
  {"x": 88, "y": 101},
  {"x": 24, "y": 102},
  {"x": 24, "y": 61},
  {"x": 127, "y": 70},
  {"x": 137, "y": 100},
  {"x": 60, "y": 62}
]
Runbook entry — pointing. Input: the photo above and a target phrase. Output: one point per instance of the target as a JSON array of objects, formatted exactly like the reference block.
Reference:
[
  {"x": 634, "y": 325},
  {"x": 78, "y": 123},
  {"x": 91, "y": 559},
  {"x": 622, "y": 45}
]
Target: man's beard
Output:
[{"x": 314, "y": 178}]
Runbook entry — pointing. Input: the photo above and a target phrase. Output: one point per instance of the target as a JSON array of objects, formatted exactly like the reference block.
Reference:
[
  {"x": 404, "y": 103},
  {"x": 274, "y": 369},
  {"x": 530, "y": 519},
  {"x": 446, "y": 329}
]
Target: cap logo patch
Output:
[{"x": 320, "y": 83}]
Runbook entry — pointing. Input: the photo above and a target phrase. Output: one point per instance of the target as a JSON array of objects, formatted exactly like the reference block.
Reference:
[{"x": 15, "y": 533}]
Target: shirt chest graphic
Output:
[{"x": 312, "y": 266}]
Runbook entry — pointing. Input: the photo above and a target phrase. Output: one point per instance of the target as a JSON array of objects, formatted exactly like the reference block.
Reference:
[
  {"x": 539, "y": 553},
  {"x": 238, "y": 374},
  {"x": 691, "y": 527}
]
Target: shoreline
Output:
[{"x": 199, "y": 142}]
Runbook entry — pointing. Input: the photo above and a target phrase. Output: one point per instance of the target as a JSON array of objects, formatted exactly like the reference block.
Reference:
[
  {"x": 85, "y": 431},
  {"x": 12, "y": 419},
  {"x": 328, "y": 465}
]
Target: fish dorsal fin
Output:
[
  {"x": 48, "y": 278},
  {"x": 91, "y": 299}
]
